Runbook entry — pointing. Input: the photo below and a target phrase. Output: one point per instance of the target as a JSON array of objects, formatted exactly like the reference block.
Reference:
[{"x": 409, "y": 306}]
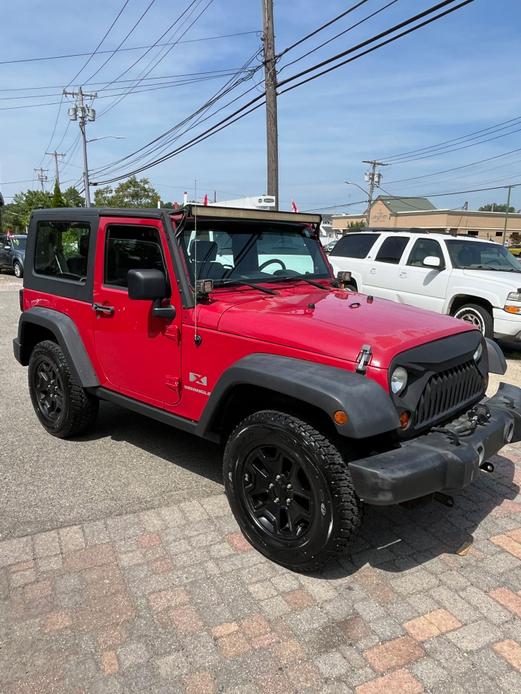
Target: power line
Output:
[
  {"x": 148, "y": 69},
  {"x": 452, "y": 192},
  {"x": 136, "y": 24},
  {"x": 322, "y": 27},
  {"x": 249, "y": 107},
  {"x": 454, "y": 168},
  {"x": 133, "y": 48},
  {"x": 455, "y": 139},
  {"x": 169, "y": 135},
  {"x": 371, "y": 40},
  {"x": 154, "y": 45},
  {"x": 145, "y": 87},
  {"x": 91, "y": 56},
  {"x": 457, "y": 149},
  {"x": 341, "y": 33},
  {"x": 157, "y": 77}
]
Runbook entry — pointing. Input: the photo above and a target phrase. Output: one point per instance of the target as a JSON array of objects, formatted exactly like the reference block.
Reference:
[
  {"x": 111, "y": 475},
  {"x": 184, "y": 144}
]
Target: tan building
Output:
[{"x": 419, "y": 213}]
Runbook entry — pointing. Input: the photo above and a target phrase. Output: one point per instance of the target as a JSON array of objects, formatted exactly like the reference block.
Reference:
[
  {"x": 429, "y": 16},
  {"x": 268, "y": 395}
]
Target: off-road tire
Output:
[
  {"x": 481, "y": 318},
  {"x": 340, "y": 510},
  {"x": 18, "y": 269},
  {"x": 79, "y": 409}
]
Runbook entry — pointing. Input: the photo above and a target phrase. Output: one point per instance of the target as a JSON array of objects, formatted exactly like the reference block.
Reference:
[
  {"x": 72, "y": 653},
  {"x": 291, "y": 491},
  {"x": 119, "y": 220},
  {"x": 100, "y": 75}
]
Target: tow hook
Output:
[
  {"x": 444, "y": 499},
  {"x": 487, "y": 467}
]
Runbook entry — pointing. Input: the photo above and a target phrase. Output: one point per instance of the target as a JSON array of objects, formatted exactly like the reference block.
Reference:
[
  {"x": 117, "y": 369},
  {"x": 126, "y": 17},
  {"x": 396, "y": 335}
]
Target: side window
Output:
[
  {"x": 131, "y": 248},
  {"x": 62, "y": 249},
  {"x": 391, "y": 249},
  {"x": 355, "y": 245},
  {"x": 421, "y": 249}
]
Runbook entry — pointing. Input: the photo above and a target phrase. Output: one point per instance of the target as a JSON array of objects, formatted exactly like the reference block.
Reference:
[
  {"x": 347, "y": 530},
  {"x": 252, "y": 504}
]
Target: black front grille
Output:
[{"x": 449, "y": 391}]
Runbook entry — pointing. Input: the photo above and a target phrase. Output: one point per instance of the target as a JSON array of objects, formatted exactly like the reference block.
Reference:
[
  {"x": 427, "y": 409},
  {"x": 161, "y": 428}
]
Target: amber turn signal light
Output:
[
  {"x": 512, "y": 309},
  {"x": 340, "y": 417},
  {"x": 405, "y": 419}
]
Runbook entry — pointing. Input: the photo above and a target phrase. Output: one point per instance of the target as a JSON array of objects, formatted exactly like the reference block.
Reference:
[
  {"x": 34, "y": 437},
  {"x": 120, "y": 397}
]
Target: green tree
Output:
[
  {"x": 355, "y": 226},
  {"x": 131, "y": 193},
  {"x": 57, "y": 197},
  {"x": 16, "y": 215},
  {"x": 494, "y": 207},
  {"x": 72, "y": 198}
]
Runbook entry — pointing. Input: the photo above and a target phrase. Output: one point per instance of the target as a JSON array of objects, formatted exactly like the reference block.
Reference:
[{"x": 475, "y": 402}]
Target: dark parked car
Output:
[{"x": 12, "y": 253}]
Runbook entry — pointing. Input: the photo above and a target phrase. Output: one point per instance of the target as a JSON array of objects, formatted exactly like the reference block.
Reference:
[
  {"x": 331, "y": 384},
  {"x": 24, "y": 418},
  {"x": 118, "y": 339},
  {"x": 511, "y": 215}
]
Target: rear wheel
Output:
[
  {"x": 290, "y": 490},
  {"x": 63, "y": 407},
  {"x": 478, "y": 316},
  {"x": 18, "y": 270}
]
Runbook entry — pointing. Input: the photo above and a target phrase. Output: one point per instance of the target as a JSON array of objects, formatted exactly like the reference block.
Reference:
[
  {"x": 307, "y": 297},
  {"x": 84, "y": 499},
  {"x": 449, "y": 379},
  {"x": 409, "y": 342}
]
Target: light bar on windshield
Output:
[{"x": 215, "y": 212}]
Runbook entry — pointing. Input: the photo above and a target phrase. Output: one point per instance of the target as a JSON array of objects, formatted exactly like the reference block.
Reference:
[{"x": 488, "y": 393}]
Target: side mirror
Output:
[
  {"x": 150, "y": 285},
  {"x": 432, "y": 261},
  {"x": 146, "y": 284}
]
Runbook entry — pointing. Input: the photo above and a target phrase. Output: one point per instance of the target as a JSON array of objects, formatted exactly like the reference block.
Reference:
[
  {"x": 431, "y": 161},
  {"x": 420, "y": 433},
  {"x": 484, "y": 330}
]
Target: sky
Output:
[{"x": 451, "y": 78}]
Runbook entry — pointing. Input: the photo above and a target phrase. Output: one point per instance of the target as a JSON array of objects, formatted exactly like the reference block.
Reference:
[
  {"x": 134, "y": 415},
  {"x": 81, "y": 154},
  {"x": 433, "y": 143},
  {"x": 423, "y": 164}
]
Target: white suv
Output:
[{"x": 477, "y": 281}]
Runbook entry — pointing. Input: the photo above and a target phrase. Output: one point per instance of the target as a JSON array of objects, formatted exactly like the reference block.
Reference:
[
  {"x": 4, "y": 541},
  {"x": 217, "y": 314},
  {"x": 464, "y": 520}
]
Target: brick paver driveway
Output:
[{"x": 173, "y": 599}]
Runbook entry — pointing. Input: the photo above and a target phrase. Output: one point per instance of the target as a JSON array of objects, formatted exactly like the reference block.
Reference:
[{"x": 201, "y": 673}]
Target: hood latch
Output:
[{"x": 363, "y": 359}]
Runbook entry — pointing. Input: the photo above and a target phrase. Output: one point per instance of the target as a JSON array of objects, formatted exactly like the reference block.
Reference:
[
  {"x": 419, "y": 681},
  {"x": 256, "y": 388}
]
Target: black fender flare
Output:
[
  {"x": 67, "y": 336},
  {"x": 368, "y": 406}
]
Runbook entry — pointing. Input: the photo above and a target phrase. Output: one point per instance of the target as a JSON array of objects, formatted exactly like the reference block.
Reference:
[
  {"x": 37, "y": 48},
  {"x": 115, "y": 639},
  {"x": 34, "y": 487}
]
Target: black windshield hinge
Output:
[{"x": 363, "y": 359}]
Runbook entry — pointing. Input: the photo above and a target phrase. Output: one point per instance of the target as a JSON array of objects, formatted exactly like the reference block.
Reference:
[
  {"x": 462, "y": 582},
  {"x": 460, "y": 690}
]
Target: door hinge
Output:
[{"x": 173, "y": 383}]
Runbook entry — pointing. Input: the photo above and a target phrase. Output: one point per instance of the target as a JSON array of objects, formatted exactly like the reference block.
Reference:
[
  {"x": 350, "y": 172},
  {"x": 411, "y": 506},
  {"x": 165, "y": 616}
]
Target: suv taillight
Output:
[{"x": 21, "y": 299}]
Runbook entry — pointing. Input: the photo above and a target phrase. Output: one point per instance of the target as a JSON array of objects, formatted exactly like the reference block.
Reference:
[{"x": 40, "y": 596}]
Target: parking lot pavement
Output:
[
  {"x": 124, "y": 571},
  {"x": 128, "y": 463},
  {"x": 174, "y": 600}
]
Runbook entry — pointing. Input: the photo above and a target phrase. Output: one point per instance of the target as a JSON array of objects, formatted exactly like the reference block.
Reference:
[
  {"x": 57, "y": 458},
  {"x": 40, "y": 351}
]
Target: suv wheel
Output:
[
  {"x": 18, "y": 270},
  {"x": 63, "y": 407},
  {"x": 290, "y": 490},
  {"x": 478, "y": 316}
]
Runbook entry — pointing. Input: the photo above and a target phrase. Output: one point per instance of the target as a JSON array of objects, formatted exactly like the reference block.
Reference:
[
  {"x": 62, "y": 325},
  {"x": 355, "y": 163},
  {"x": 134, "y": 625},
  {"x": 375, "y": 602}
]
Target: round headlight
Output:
[
  {"x": 398, "y": 380},
  {"x": 478, "y": 352}
]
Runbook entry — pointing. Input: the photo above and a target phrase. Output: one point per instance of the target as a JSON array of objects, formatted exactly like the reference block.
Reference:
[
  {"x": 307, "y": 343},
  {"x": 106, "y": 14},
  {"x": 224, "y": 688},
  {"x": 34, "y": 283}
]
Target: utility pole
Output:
[
  {"x": 373, "y": 177},
  {"x": 83, "y": 113},
  {"x": 506, "y": 216},
  {"x": 56, "y": 155},
  {"x": 41, "y": 175},
  {"x": 270, "y": 85}
]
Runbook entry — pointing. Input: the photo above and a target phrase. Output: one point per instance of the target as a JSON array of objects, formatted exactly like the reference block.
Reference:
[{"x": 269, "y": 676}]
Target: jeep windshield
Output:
[
  {"x": 251, "y": 251},
  {"x": 476, "y": 255}
]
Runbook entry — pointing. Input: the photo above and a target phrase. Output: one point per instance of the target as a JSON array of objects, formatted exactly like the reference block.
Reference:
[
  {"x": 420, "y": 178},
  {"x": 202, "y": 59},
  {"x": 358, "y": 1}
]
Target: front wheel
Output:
[
  {"x": 478, "y": 316},
  {"x": 290, "y": 490},
  {"x": 17, "y": 269},
  {"x": 63, "y": 407}
]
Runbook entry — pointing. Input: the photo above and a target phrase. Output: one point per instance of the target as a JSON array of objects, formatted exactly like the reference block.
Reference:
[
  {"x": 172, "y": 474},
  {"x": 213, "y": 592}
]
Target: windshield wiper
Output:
[
  {"x": 253, "y": 285},
  {"x": 300, "y": 277}
]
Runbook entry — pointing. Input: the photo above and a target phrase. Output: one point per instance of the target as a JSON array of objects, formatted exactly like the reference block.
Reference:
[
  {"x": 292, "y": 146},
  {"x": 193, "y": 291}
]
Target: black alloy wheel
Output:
[
  {"x": 290, "y": 490},
  {"x": 63, "y": 407},
  {"x": 278, "y": 493},
  {"x": 50, "y": 395}
]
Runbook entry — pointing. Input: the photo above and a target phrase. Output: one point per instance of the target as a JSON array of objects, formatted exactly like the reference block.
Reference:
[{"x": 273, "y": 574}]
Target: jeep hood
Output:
[{"x": 334, "y": 323}]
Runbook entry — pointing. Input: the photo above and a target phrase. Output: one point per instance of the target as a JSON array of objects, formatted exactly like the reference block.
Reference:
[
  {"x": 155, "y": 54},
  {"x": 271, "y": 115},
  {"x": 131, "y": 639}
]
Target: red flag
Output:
[
  {"x": 205, "y": 201},
  {"x": 294, "y": 206}
]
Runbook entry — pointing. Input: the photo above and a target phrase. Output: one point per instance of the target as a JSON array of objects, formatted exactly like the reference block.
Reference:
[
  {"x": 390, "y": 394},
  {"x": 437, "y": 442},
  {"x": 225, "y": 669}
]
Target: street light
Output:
[
  {"x": 351, "y": 183},
  {"x": 108, "y": 137}
]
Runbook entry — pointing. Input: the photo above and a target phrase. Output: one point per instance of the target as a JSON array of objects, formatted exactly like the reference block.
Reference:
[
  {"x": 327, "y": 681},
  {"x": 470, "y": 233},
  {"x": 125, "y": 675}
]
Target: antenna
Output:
[{"x": 197, "y": 338}]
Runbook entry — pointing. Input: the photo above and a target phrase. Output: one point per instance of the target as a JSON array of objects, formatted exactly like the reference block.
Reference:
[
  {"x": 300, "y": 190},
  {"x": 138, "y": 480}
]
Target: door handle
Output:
[
  {"x": 372, "y": 271},
  {"x": 105, "y": 310},
  {"x": 403, "y": 274}
]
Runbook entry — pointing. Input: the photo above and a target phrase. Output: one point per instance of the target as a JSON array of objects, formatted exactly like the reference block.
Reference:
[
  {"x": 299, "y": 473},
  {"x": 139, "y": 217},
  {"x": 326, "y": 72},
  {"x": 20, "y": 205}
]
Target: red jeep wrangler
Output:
[{"x": 229, "y": 324}]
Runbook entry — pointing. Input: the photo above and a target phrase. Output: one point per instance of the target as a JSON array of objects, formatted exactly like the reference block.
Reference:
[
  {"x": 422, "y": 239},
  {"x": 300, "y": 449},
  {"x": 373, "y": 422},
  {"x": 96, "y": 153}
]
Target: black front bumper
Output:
[{"x": 439, "y": 461}]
